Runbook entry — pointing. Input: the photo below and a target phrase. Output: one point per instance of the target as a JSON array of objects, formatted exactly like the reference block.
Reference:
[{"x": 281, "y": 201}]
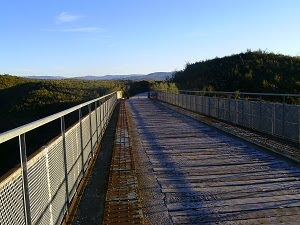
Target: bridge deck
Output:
[{"x": 190, "y": 173}]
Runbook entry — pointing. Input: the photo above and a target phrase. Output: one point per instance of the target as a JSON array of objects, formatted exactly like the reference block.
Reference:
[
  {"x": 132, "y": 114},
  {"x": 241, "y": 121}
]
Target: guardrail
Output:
[
  {"x": 41, "y": 189},
  {"x": 245, "y": 109}
]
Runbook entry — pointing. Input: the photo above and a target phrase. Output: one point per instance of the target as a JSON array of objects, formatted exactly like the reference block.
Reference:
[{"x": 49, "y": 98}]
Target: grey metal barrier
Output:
[
  {"x": 250, "y": 110},
  {"x": 41, "y": 189}
]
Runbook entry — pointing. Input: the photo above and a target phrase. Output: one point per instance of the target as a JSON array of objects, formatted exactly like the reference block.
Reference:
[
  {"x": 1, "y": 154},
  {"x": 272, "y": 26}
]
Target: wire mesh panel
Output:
[
  {"x": 292, "y": 121},
  {"x": 38, "y": 190},
  {"x": 102, "y": 118},
  {"x": 213, "y": 106},
  {"x": 234, "y": 111},
  {"x": 255, "y": 115},
  {"x": 246, "y": 113},
  {"x": 223, "y": 109},
  {"x": 188, "y": 102},
  {"x": 267, "y": 117},
  {"x": 98, "y": 122},
  {"x": 11, "y": 200},
  {"x": 86, "y": 140},
  {"x": 278, "y": 119},
  {"x": 199, "y": 104},
  {"x": 94, "y": 130},
  {"x": 58, "y": 166},
  {"x": 73, "y": 150},
  {"x": 57, "y": 180}
]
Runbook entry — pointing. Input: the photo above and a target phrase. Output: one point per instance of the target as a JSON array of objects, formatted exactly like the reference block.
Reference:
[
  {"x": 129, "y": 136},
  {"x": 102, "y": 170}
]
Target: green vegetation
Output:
[
  {"x": 158, "y": 86},
  {"x": 25, "y": 100},
  {"x": 245, "y": 72}
]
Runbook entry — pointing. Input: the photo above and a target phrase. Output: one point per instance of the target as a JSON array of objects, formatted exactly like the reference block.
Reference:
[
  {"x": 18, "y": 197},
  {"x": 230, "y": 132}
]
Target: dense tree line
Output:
[{"x": 256, "y": 71}]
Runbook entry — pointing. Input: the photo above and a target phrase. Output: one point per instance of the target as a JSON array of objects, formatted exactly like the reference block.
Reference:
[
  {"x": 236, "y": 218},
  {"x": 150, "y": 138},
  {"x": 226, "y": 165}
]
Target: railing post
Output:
[
  {"x": 23, "y": 158},
  {"x": 260, "y": 102},
  {"x": 208, "y": 104},
  {"x": 101, "y": 118},
  {"x": 229, "y": 101},
  {"x": 63, "y": 130},
  {"x": 251, "y": 115},
  {"x": 283, "y": 117},
  {"x": 298, "y": 126},
  {"x": 91, "y": 130},
  {"x": 81, "y": 140},
  {"x": 202, "y": 103},
  {"x": 105, "y": 112},
  {"x": 218, "y": 106},
  {"x": 191, "y": 105},
  {"x": 49, "y": 189},
  {"x": 186, "y": 99},
  {"x": 242, "y": 111},
  {"x": 273, "y": 119},
  {"x": 96, "y": 113}
]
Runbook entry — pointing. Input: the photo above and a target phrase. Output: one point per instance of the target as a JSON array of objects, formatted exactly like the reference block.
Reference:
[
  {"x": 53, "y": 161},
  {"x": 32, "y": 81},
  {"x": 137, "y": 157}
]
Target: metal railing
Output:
[
  {"x": 251, "y": 110},
  {"x": 41, "y": 189}
]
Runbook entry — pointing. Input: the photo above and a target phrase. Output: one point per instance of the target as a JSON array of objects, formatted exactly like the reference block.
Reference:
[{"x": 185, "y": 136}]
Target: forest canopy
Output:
[
  {"x": 256, "y": 71},
  {"x": 23, "y": 100}
]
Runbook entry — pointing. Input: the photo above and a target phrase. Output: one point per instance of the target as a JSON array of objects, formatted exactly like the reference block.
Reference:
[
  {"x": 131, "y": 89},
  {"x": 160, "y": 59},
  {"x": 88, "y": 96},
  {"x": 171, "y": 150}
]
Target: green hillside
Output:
[
  {"x": 250, "y": 71},
  {"x": 25, "y": 100}
]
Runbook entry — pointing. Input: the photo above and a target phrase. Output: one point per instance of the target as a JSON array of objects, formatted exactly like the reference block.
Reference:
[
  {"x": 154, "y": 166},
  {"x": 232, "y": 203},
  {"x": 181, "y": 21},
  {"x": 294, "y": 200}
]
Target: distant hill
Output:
[
  {"x": 109, "y": 77},
  {"x": 159, "y": 76},
  {"x": 250, "y": 71},
  {"x": 46, "y": 77}
]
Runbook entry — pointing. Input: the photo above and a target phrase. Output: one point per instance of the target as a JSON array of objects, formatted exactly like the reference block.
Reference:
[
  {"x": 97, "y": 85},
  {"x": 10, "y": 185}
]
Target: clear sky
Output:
[{"x": 97, "y": 37}]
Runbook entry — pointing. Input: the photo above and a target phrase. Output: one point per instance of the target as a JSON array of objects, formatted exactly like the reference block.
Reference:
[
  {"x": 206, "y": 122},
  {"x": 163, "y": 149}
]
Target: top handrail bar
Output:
[
  {"x": 5, "y": 136},
  {"x": 242, "y": 93}
]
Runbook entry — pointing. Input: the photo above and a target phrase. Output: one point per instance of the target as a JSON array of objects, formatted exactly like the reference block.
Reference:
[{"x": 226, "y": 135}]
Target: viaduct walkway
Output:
[
  {"x": 141, "y": 161},
  {"x": 190, "y": 173}
]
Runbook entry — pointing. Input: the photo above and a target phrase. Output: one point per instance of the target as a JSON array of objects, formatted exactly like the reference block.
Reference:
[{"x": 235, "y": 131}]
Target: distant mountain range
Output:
[
  {"x": 46, "y": 77},
  {"x": 159, "y": 76}
]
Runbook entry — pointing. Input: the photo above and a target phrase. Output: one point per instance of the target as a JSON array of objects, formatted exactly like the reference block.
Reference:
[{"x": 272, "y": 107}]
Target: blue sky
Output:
[{"x": 97, "y": 37}]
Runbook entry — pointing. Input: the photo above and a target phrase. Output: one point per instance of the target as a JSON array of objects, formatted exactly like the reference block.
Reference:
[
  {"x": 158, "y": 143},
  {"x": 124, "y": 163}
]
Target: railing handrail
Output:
[
  {"x": 240, "y": 93},
  {"x": 5, "y": 136}
]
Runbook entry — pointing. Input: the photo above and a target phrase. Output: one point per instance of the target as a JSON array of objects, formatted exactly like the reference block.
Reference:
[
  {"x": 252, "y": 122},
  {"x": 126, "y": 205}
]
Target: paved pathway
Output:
[{"x": 198, "y": 175}]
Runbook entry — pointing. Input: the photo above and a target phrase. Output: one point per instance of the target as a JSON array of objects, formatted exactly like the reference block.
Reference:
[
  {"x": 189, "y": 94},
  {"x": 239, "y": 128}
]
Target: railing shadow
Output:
[{"x": 140, "y": 107}]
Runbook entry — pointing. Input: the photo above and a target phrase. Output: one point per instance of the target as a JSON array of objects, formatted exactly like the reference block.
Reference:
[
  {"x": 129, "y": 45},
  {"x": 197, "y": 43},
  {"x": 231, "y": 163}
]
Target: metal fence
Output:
[
  {"x": 245, "y": 109},
  {"x": 41, "y": 189}
]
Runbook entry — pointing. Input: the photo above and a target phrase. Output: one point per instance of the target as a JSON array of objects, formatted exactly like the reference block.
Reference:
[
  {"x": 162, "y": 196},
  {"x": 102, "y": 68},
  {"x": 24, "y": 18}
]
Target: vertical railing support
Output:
[
  {"x": 218, "y": 102},
  {"x": 260, "y": 112},
  {"x": 283, "y": 117},
  {"x": 229, "y": 103},
  {"x": 202, "y": 103},
  {"x": 23, "y": 158},
  {"x": 242, "y": 110},
  {"x": 81, "y": 140},
  {"x": 96, "y": 113},
  {"x": 91, "y": 130},
  {"x": 274, "y": 118},
  {"x": 63, "y": 134},
  {"x": 190, "y": 101},
  {"x": 209, "y": 104},
  {"x": 101, "y": 118},
  {"x": 105, "y": 106}
]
